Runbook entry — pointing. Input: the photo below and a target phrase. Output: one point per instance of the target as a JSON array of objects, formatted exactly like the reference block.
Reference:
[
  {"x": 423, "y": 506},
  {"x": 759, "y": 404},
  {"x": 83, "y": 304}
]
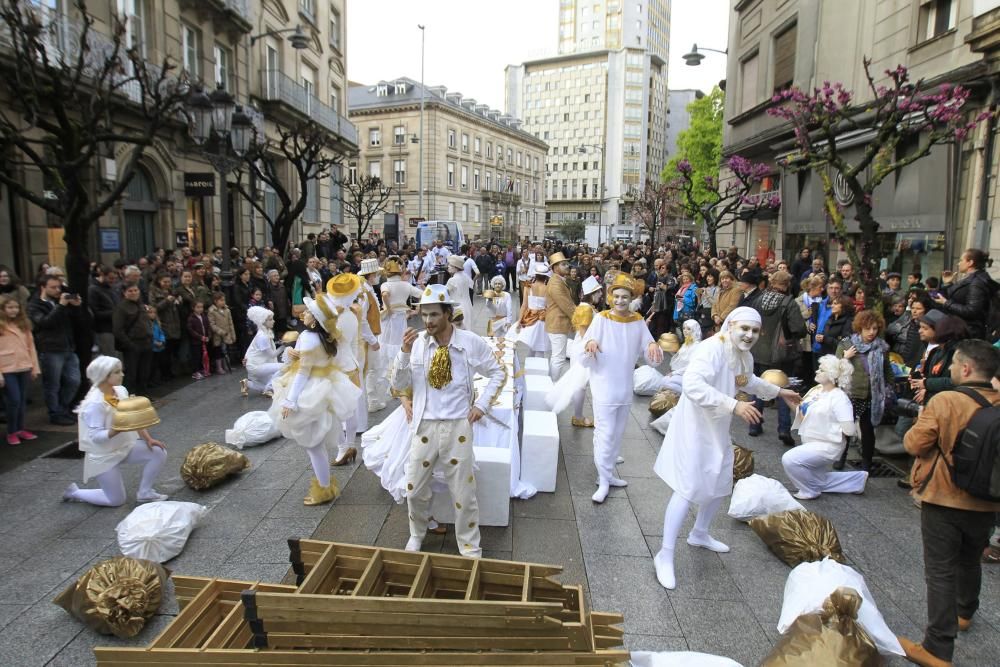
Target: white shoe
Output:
[
  {"x": 602, "y": 493},
  {"x": 804, "y": 496},
  {"x": 70, "y": 492},
  {"x": 413, "y": 544},
  {"x": 664, "y": 565},
  {"x": 151, "y": 497},
  {"x": 614, "y": 481},
  {"x": 705, "y": 541},
  {"x": 619, "y": 460}
]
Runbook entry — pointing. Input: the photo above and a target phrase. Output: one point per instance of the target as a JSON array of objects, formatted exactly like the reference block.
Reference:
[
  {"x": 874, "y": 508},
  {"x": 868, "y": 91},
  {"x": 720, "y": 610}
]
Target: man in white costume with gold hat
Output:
[
  {"x": 396, "y": 294},
  {"x": 460, "y": 286},
  {"x": 696, "y": 459},
  {"x": 613, "y": 342},
  {"x": 438, "y": 366},
  {"x": 374, "y": 363}
]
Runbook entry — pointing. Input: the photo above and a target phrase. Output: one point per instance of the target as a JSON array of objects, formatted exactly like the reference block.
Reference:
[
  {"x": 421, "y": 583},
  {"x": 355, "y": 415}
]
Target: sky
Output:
[{"x": 469, "y": 42}]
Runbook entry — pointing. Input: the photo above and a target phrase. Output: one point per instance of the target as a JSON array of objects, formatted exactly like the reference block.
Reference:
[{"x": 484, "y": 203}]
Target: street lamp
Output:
[
  {"x": 224, "y": 134},
  {"x": 694, "y": 58},
  {"x": 414, "y": 139},
  {"x": 582, "y": 148},
  {"x": 420, "y": 169},
  {"x": 298, "y": 40}
]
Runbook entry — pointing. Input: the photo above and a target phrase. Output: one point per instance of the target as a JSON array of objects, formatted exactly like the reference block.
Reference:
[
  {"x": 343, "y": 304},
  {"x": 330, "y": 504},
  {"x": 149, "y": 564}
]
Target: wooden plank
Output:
[
  {"x": 227, "y": 629},
  {"x": 325, "y": 564},
  {"x": 526, "y": 587},
  {"x": 187, "y": 618},
  {"x": 277, "y": 640},
  {"x": 472, "y": 591},
  {"x": 370, "y": 577},
  {"x": 417, "y": 622},
  {"x": 420, "y": 581},
  {"x": 332, "y": 603}
]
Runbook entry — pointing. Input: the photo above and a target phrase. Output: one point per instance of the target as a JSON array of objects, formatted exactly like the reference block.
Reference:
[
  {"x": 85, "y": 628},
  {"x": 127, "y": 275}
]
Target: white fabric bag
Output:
[
  {"x": 810, "y": 584},
  {"x": 662, "y": 422},
  {"x": 680, "y": 659},
  {"x": 158, "y": 531},
  {"x": 757, "y": 495},
  {"x": 253, "y": 428},
  {"x": 646, "y": 381}
]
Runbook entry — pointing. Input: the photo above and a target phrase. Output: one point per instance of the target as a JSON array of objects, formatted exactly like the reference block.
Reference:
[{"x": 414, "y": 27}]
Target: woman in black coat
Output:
[
  {"x": 838, "y": 325},
  {"x": 970, "y": 297}
]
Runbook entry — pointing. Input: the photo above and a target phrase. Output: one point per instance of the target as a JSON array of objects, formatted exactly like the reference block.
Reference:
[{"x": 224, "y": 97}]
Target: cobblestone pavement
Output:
[{"x": 726, "y": 604}]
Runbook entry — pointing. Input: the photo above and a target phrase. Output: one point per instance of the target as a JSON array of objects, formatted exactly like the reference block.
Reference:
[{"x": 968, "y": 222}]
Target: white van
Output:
[{"x": 429, "y": 231}]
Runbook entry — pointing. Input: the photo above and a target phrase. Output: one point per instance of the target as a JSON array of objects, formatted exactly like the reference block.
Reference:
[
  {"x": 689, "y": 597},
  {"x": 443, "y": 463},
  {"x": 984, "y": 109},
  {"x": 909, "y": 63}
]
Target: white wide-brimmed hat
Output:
[
  {"x": 590, "y": 285},
  {"x": 323, "y": 309},
  {"x": 369, "y": 266},
  {"x": 456, "y": 262},
  {"x": 435, "y": 294}
]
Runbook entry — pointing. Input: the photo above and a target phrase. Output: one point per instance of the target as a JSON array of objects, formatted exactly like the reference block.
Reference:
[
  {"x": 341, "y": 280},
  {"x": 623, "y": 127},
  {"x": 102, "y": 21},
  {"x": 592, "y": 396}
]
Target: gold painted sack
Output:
[
  {"x": 798, "y": 536},
  {"x": 664, "y": 400},
  {"x": 742, "y": 462},
  {"x": 209, "y": 464},
  {"x": 830, "y": 636},
  {"x": 116, "y": 596}
]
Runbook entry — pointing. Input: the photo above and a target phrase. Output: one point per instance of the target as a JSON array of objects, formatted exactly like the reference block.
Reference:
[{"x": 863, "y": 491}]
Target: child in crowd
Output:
[
  {"x": 199, "y": 331},
  {"x": 220, "y": 320},
  {"x": 161, "y": 358}
]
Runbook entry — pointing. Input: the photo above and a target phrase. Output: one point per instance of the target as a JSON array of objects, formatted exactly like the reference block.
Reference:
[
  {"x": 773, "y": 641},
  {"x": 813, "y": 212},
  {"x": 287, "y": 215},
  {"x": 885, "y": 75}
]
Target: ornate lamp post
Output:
[{"x": 223, "y": 134}]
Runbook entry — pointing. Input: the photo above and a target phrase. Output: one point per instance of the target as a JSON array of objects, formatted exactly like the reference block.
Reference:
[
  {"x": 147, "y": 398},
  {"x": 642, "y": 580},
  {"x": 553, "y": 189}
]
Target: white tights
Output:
[
  {"x": 578, "y": 398},
  {"x": 320, "y": 459},
  {"x": 112, "y": 491},
  {"x": 673, "y": 518}
]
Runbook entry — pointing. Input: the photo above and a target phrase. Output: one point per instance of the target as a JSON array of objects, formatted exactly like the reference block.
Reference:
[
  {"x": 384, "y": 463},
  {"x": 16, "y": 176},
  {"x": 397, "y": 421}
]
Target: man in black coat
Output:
[
  {"x": 970, "y": 297},
  {"x": 102, "y": 299},
  {"x": 52, "y": 324}
]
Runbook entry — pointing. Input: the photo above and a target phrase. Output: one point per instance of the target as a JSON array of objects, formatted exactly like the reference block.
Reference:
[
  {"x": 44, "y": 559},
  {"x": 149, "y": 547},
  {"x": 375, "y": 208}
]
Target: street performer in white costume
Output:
[
  {"x": 373, "y": 365},
  {"x": 396, "y": 294},
  {"x": 824, "y": 420},
  {"x": 261, "y": 359},
  {"x": 696, "y": 459},
  {"x": 571, "y": 389},
  {"x": 500, "y": 308},
  {"x": 614, "y": 340},
  {"x": 345, "y": 292},
  {"x": 439, "y": 365}
]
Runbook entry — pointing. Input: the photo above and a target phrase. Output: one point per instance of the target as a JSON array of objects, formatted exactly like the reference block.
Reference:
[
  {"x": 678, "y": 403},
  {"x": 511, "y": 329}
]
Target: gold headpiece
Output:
[
  {"x": 343, "y": 288},
  {"x": 582, "y": 316},
  {"x": 621, "y": 281}
]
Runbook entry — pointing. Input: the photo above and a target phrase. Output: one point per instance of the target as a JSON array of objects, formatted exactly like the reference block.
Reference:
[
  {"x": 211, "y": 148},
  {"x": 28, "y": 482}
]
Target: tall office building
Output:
[{"x": 601, "y": 105}]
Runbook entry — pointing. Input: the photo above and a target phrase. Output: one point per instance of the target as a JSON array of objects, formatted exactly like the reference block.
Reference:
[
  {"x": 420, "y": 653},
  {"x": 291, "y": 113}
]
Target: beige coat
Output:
[
  {"x": 560, "y": 307},
  {"x": 221, "y": 322},
  {"x": 726, "y": 302}
]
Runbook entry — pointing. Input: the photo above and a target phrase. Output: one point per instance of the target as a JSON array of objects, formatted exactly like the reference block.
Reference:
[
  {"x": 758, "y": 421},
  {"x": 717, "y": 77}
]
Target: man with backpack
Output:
[{"x": 955, "y": 441}]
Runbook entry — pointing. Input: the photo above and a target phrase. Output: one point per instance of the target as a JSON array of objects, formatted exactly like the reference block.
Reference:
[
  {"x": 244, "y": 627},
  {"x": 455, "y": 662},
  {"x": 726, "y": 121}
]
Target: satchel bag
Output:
[{"x": 784, "y": 347}]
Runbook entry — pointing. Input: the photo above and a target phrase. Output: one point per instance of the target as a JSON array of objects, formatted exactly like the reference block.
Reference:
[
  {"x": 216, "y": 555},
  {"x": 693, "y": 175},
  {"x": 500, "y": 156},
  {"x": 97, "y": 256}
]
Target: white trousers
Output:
[
  {"x": 377, "y": 380},
  {"x": 446, "y": 442},
  {"x": 260, "y": 377},
  {"x": 809, "y": 468},
  {"x": 112, "y": 491},
  {"x": 558, "y": 363},
  {"x": 609, "y": 426},
  {"x": 578, "y": 397}
]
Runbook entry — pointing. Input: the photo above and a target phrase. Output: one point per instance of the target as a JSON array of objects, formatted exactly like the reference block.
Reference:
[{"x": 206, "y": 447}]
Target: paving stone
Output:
[
  {"x": 628, "y": 585},
  {"x": 364, "y": 489},
  {"x": 80, "y": 651},
  {"x": 499, "y": 538},
  {"x": 29, "y": 583},
  {"x": 276, "y": 474},
  {"x": 654, "y": 643},
  {"x": 550, "y": 542},
  {"x": 700, "y": 573},
  {"x": 202, "y": 556},
  {"x": 648, "y": 497},
  {"x": 583, "y": 478},
  {"x": 609, "y": 528},
  {"x": 8, "y": 612},
  {"x": 556, "y": 505},
  {"x": 356, "y": 524},
  {"x": 268, "y": 543},
  {"x": 497, "y": 555},
  {"x": 37, "y": 635},
  {"x": 726, "y": 628}
]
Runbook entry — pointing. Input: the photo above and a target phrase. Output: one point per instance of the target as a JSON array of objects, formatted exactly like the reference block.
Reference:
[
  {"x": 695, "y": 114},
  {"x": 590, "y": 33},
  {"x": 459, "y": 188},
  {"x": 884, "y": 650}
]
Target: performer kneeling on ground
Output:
[
  {"x": 500, "y": 308},
  {"x": 106, "y": 449},
  {"x": 824, "y": 418},
  {"x": 314, "y": 395},
  {"x": 439, "y": 365},
  {"x": 696, "y": 459},
  {"x": 614, "y": 340},
  {"x": 261, "y": 359}
]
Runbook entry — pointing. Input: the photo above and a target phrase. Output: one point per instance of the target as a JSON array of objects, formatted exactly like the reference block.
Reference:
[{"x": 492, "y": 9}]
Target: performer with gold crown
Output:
[
  {"x": 396, "y": 294},
  {"x": 314, "y": 395},
  {"x": 614, "y": 341},
  {"x": 438, "y": 366},
  {"x": 571, "y": 389},
  {"x": 344, "y": 290},
  {"x": 373, "y": 364}
]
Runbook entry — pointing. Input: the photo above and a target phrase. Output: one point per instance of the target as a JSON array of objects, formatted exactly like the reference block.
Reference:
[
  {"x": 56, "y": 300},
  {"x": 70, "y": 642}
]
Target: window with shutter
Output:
[
  {"x": 784, "y": 58},
  {"x": 748, "y": 83}
]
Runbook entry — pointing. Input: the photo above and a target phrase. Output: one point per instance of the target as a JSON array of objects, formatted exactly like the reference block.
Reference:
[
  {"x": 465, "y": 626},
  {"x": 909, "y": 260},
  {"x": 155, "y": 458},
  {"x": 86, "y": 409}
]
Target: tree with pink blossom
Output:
[
  {"x": 902, "y": 115},
  {"x": 722, "y": 201}
]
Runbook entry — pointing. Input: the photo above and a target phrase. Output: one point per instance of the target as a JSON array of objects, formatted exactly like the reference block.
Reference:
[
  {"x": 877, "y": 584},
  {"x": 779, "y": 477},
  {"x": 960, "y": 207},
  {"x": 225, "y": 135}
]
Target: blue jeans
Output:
[
  {"x": 784, "y": 416},
  {"x": 15, "y": 398},
  {"x": 60, "y": 380}
]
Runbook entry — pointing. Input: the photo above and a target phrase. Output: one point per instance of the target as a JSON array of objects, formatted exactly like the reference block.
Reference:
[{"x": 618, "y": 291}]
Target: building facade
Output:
[
  {"x": 601, "y": 104},
  {"x": 217, "y": 43},
  {"x": 933, "y": 209},
  {"x": 678, "y": 118},
  {"x": 480, "y": 168}
]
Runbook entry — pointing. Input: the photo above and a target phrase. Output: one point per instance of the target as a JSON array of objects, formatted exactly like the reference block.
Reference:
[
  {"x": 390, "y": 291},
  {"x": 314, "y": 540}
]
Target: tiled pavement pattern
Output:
[{"x": 726, "y": 604}]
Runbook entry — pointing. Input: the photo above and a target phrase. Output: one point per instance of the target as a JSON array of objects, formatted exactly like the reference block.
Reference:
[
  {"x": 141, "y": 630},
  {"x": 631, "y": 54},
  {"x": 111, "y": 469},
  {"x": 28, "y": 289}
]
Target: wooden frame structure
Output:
[{"x": 357, "y": 605}]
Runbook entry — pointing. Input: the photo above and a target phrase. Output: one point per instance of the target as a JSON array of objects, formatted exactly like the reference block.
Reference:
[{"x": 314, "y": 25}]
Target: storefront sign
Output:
[
  {"x": 111, "y": 240},
  {"x": 199, "y": 184}
]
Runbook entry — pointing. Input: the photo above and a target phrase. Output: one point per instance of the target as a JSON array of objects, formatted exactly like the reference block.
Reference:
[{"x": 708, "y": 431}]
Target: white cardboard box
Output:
[
  {"x": 536, "y": 388},
  {"x": 492, "y": 490},
  {"x": 536, "y": 366},
  {"x": 540, "y": 450}
]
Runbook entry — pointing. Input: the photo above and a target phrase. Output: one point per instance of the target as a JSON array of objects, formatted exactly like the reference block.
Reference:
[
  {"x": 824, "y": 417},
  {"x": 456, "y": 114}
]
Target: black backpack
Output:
[{"x": 976, "y": 454}]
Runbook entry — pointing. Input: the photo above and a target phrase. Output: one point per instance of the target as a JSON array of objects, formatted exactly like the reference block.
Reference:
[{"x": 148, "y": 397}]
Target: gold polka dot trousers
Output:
[{"x": 446, "y": 444}]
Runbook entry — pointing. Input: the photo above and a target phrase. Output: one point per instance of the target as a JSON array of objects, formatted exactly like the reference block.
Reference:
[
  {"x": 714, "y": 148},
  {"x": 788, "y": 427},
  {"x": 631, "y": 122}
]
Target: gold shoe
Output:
[
  {"x": 582, "y": 423},
  {"x": 243, "y": 388},
  {"x": 348, "y": 457},
  {"x": 321, "y": 494}
]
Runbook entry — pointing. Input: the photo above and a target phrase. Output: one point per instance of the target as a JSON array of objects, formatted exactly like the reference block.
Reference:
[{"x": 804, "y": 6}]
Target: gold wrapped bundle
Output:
[
  {"x": 742, "y": 462},
  {"x": 663, "y": 400},
  {"x": 209, "y": 464},
  {"x": 116, "y": 596},
  {"x": 798, "y": 536},
  {"x": 830, "y": 636}
]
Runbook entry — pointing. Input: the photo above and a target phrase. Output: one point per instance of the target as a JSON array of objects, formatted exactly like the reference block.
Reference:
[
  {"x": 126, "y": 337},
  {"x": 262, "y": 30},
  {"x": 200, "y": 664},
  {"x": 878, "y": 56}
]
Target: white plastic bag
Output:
[
  {"x": 757, "y": 495},
  {"x": 646, "y": 381},
  {"x": 680, "y": 659},
  {"x": 810, "y": 584},
  {"x": 158, "y": 531},
  {"x": 662, "y": 422},
  {"x": 253, "y": 428}
]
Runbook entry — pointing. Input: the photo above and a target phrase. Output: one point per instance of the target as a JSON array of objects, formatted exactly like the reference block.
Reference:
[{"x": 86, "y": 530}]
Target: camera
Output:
[{"x": 907, "y": 408}]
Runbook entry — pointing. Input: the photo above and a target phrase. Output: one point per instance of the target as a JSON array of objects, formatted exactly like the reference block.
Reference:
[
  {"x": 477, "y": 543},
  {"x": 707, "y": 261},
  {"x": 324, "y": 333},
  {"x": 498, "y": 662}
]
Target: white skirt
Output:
[
  {"x": 534, "y": 337},
  {"x": 325, "y": 402}
]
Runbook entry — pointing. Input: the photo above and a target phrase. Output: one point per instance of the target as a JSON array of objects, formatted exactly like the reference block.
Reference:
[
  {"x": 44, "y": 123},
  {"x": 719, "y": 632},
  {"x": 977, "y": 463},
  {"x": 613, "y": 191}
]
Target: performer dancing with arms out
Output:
[
  {"x": 696, "y": 459},
  {"x": 440, "y": 365},
  {"x": 614, "y": 340}
]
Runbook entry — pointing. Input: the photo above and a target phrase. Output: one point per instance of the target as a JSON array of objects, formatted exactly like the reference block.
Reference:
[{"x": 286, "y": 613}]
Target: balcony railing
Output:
[{"x": 278, "y": 87}]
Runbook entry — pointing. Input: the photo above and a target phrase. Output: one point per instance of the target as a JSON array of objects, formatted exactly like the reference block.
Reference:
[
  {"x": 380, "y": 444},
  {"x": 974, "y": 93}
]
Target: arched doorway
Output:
[{"x": 140, "y": 210}]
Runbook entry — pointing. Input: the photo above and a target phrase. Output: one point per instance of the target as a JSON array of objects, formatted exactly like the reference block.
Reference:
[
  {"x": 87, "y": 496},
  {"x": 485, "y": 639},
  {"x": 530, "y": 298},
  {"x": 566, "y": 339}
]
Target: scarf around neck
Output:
[{"x": 875, "y": 363}]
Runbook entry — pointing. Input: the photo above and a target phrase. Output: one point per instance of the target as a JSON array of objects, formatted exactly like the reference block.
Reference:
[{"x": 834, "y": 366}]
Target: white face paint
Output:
[
  {"x": 744, "y": 334},
  {"x": 690, "y": 331},
  {"x": 620, "y": 299}
]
